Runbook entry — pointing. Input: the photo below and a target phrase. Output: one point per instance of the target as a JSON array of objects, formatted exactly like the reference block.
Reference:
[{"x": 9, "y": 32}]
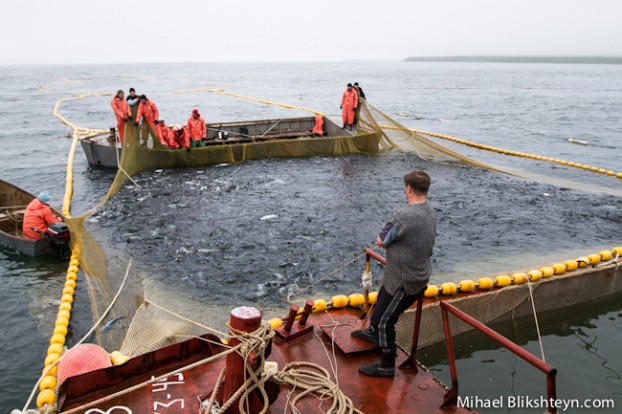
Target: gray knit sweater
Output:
[{"x": 408, "y": 256}]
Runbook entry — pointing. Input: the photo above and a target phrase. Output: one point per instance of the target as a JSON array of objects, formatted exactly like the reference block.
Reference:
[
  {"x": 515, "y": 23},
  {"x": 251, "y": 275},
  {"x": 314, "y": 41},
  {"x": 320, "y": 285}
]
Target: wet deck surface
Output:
[{"x": 407, "y": 392}]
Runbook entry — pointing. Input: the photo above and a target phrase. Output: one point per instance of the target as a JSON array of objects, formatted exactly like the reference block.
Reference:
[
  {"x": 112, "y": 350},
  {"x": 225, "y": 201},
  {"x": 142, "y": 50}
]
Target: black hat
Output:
[
  {"x": 349, "y": 84},
  {"x": 132, "y": 90},
  {"x": 143, "y": 97},
  {"x": 356, "y": 84}
]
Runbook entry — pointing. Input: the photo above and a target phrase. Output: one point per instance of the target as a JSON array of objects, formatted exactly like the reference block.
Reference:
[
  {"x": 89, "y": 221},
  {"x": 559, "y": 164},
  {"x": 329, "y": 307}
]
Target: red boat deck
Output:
[{"x": 408, "y": 392}]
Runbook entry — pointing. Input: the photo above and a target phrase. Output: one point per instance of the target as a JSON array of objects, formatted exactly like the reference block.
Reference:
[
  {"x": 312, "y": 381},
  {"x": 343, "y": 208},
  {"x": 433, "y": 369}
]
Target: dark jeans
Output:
[{"x": 386, "y": 313}]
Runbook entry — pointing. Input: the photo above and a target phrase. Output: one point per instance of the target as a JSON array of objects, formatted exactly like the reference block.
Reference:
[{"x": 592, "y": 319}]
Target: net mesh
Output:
[{"x": 149, "y": 327}]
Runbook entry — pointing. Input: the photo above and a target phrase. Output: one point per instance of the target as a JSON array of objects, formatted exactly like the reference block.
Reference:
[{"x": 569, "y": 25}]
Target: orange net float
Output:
[{"x": 80, "y": 360}]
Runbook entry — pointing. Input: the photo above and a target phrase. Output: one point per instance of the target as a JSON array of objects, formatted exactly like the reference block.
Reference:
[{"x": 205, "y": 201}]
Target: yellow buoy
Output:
[
  {"x": 578, "y": 165},
  {"x": 73, "y": 269},
  {"x": 519, "y": 278},
  {"x": 55, "y": 349},
  {"x": 274, "y": 322},
  {"x": 61, "y": 320},
  {"x": 547, "y": 271},
  {"x": 339, "y": 301},
  {"x": 617, "y": 251},
  {"x": 51, "y": 358},
  {"x": 63, "y": 313},
  {"x": 65, "y": 305},
  {"x": 74, "y": 262},
  {"x": 120, "y": 360},
  {"x": 503, "y": 280},
  {"x": 570, "y": 164},
  {"x": 45, "y": 397},
  {"x": 67, "y": 298},
  {"x": 466, "y": 285},
  {"x": 319, "y": 305},
  {"x": 594, "y": 169},
  {"x": 356, "y": 299},
  {"x": 559, "y": 268},
  {"x": 71, "y": 282},
  {"x": 68, "y": 290},
  {"x": 57, "y": 339},
  {"x": 605, "y": 255},
  {"x": 373, "y": 297},
  {"x": 535, "y": 275},
  {"x": 594, "y": 258},
  {"x": 583, "y": 261},
  {"x": 485, "y": 283},
  {"x": 72, "y": 275},
  {"x": 47, "y": 383},
  {"x": 602, "y": 171},
  {"x": 610, "y": 172},
  {"x": 619, "y": 175},
  {"x": 52, "y": 370},
  {"x": 431, "y": 291},
  {"x": 449, "y": 288},
  {"x": 60, "y": 329},
  {"x": 586, "y": 167},
  {"x": 571, "y": 265}
]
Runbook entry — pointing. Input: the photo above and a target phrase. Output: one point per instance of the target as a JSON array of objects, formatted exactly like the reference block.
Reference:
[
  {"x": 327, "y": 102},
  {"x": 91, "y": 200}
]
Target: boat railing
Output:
[{"x": 451, "y": 397}]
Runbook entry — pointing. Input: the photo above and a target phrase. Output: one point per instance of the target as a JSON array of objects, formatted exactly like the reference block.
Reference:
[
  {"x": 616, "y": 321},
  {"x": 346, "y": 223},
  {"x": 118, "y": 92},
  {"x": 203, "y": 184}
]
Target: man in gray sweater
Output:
[{"x": 408, "y": 238}]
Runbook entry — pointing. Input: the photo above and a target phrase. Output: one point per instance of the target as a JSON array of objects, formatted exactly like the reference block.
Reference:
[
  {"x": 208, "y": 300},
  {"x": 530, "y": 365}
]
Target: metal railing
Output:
[{"x": 451, "y": 397}]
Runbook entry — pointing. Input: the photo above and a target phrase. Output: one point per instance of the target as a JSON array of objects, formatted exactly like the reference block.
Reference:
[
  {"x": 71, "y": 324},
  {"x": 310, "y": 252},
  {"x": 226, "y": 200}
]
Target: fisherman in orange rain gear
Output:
[
  {"x": 196, "y": 129},
  {"x": 121, "y": 111},
  {"x": 180, "y": 137},
  {"x": 164, "y": 134},
  {"x": 318, "y": 127},
  {"x": 148, "y": 110},
  {"x": 349, "y": 103},
  {"x": 38, "y": 217}
]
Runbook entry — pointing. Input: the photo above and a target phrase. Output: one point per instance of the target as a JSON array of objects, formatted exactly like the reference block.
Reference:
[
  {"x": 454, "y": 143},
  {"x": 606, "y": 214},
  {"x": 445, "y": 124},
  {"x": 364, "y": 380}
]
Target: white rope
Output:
[
  {"x": 535, "y": 316},
  {"x": 84, "y": 338}
]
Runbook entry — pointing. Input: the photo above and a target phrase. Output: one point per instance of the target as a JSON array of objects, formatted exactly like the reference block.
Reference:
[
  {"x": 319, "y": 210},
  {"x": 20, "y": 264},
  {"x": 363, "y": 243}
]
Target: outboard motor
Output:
[{"x": 59, "y": 236}]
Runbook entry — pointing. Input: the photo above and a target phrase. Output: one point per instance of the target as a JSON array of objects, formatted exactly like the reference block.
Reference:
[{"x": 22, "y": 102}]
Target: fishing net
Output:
[{"x": 144, "y": 326}]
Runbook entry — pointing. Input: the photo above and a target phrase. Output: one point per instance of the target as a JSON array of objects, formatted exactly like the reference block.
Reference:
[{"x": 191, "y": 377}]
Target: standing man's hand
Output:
[{"x": 379, "y": 242}]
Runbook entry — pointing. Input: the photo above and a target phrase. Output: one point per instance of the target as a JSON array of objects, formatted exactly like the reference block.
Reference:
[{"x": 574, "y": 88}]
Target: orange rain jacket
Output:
[
  {"x": 39, "y": 216},
  {"x": 349, "y": 102},
  {"x": 121, "y": 111},
  {"x": 183, "y": 140},
  {"x": 318, "y": 128},
  {"x": 149, "y": 110},
  {"x": 196, "y": 128},
  {"x": 164, "y": 135}
]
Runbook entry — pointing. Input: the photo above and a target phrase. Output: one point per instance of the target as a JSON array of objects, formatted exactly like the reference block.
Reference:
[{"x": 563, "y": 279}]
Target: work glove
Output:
[
  {"x": 136, "y": 124},
  {"x": 188, "y": 149},
  {"x": 340, "y": 106},
  {"x": 126, "y": 119}
]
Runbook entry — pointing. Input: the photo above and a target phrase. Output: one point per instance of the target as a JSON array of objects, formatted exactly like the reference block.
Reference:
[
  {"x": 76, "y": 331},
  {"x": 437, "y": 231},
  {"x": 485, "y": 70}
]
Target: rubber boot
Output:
[
  {"x": 365, "y": 334},
  {"x": 384, "y": 367}
]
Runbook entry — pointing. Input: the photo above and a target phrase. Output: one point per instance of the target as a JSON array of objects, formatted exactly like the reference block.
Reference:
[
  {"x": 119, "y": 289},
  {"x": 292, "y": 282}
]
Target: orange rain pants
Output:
[{"x": 349, "y": 102}]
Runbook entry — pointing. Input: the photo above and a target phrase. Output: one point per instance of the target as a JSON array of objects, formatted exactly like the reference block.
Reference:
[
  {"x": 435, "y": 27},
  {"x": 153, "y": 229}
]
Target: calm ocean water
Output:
[{"x": 202, "y": 228}]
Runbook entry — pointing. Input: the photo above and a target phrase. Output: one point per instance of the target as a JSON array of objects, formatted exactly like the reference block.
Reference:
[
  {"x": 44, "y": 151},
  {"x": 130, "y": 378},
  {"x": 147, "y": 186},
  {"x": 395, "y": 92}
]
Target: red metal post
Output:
[
  {"x": 412, "y": 360},
  {"x": 245, "y": 319},
  {"x": 451, "y": 397},
  {"x": 291, "y": 317},
  {"x": 548, "y": 369},
  {"x": 375, "y": 255},
  {"x": 305, "y": 312}
]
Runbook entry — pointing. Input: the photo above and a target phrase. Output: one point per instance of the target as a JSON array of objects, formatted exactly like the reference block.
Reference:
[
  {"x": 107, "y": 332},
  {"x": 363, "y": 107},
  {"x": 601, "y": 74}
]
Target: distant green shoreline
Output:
[{"x": 600, "y": 60}]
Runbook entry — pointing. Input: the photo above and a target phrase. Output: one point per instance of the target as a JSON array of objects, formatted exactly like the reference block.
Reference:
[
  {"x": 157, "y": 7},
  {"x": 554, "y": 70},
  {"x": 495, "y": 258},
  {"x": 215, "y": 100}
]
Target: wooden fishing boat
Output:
[
  {"x": 241, "y": 141},
  {"x": 13, "y": 203}
]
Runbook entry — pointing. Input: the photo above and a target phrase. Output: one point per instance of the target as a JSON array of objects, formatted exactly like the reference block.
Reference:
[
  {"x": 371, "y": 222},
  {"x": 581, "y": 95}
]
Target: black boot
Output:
[
  {"x": 365, "y": 334},
  {"x": 384, "y": 367}
]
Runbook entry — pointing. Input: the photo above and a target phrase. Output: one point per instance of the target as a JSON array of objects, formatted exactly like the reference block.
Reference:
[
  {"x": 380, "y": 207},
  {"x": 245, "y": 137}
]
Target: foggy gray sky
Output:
[{"x": 72, "y": 31}]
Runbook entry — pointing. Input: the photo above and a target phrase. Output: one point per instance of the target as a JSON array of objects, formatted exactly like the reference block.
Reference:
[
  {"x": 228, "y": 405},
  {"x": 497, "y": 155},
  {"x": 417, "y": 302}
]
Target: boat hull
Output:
[{"x": 336, "y": 141}]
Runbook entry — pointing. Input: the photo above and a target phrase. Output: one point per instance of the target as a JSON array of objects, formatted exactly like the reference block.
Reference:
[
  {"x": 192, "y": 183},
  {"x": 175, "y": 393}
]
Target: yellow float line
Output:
[
  {"x": 512, "y": 153},
  {"x": 468, "y": 285},
  {"x": 47, "y": 383}
]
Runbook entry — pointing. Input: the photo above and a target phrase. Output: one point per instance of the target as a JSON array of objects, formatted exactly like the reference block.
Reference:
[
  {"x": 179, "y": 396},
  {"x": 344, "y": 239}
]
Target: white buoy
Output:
[{"x": 577, "y": 141}]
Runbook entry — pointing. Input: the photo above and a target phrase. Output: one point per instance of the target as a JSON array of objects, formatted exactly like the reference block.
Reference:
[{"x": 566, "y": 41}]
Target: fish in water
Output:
[
  {"x": 268, "y": 217},
  {"x": 109, "y": 324},
  {"x": 577, "y": 141}
]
